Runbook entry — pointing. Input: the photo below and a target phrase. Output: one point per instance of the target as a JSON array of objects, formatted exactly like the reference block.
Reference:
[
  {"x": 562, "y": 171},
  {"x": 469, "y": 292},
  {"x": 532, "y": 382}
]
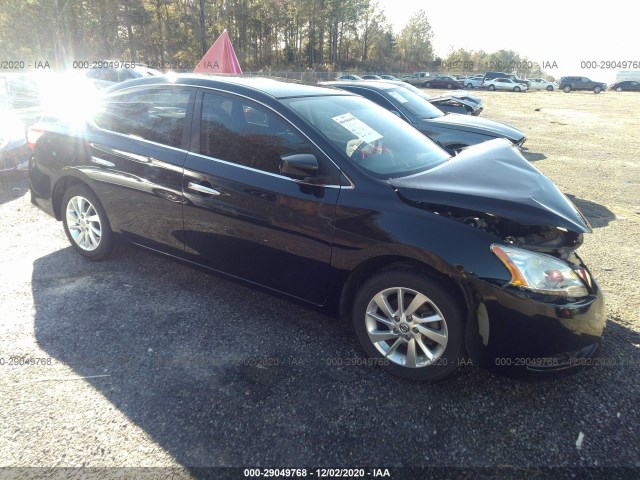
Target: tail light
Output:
[{"x": 33, "y": 134}]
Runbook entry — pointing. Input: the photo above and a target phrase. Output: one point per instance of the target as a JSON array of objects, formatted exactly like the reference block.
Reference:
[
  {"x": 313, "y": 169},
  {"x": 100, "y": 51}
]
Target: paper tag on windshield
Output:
[{"x": 360, "y": 129}]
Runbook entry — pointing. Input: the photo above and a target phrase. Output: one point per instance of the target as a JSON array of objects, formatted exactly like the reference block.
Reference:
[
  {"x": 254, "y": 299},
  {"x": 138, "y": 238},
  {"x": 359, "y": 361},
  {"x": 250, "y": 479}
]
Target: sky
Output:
[{"x": 567, "y": 33}]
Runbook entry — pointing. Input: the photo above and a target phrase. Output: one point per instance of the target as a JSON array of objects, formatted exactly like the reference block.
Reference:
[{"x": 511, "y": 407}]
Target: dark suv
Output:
[
  {"x": 581, "y": 83},
  {"x": 493, "y": 75}
]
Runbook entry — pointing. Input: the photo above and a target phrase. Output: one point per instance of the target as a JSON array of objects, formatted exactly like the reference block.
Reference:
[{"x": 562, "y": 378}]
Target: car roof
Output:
[{"x": 266, "y": 86}]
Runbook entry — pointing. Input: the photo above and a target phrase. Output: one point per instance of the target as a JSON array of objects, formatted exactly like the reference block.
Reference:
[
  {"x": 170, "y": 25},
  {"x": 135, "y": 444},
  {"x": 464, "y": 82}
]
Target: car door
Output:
[
  {"x": 246, "y": 218},
  {"x": 138, "y": 145},
  {"x": 585, "y": 83}
]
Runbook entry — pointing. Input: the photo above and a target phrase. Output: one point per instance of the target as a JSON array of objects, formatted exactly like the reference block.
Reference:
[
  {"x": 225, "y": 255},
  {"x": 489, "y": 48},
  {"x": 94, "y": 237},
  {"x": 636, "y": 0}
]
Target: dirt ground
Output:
[{"x": 143, "y": 364}]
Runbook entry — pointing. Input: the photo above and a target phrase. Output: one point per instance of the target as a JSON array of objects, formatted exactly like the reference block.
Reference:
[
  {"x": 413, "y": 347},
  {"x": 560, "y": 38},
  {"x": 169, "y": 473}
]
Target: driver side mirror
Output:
[{"x": 299, "y": 166}]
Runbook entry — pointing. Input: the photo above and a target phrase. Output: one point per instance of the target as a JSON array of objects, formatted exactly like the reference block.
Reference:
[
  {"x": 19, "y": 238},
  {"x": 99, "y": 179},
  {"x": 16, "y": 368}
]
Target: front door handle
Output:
[
  {"x": 102, "y": 161},
  {"x": 202, "y": 189}
]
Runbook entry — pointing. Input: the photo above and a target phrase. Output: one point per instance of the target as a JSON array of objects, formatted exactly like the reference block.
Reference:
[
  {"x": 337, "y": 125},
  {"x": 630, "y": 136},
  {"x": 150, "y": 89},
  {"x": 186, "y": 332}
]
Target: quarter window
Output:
[{"x": 157, "y": 115}]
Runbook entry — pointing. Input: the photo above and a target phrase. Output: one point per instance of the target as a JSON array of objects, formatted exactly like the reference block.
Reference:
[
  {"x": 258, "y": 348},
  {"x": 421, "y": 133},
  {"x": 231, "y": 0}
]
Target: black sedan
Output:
[
  {"x": 444, "y": 81},
  {"x": 626, "y": 86},
  {"x": 451, "y": 131},
  {"x": 325, "y": 197}
]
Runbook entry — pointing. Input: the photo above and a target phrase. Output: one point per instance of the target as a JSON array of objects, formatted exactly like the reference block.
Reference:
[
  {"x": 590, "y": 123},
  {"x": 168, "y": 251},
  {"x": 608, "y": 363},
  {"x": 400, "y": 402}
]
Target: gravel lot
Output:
[{"x": 150, "y": 363}]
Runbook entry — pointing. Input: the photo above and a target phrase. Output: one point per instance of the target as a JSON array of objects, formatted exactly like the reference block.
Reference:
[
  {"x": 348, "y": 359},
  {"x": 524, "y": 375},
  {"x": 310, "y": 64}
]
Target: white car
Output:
[
  {"x": 504, "y": 84},
  {"x": 473, "y": 82},
  {"x": 542, "y": 84}
]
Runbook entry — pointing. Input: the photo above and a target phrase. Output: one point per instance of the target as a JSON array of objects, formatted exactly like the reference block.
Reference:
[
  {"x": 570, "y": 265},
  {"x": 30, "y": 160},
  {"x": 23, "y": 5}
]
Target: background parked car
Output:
[
  {"x": 448, "y": 102},
  {"x": 418, "y": 78},
  {"x": 474, "y": 81},
  {"x": 23, "y": 94},
  {"x": 371, "y": 77},
  {"x": 349, "y": 76},
  {"x": 14, "y": 152},
  {"x": 443, "y": 81},
  {"x": 567, "y": 84},
  {"x": 466, "y": 96},
  {"x": 626, "y": 86},
  {"x": 493, "y": 75},
  {"x": 451, "y": 131},
  {"x": 542, "y": 84},
  {"x": 117, "y": 75},
  {"x": 504, "y": 84},
  {"x": 389, "y": 77}
]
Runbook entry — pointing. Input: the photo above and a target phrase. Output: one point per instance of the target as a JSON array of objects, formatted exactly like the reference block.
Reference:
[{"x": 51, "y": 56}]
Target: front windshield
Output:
[
  {"x": 414, "y": 103},
  {"x": 371, "y": 137}
]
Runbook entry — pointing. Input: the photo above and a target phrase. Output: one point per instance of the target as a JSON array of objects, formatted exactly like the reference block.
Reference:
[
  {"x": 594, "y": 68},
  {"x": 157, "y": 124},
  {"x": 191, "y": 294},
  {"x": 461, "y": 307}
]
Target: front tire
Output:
[
  {"x": 449, "y": 86},
  {"x": 597, "y": 89},
  {"x": 549, "y": 88},
  {"x": 86, "y": 224},
  {"x": 410, "y": 325},
  {"x": 469, "y": 85},
  {"x": 566, "y": 89},
  {"x": 618, "y": 89},
  {"x": 516, "y": 89},
  {"x": 427, "y": 84}
]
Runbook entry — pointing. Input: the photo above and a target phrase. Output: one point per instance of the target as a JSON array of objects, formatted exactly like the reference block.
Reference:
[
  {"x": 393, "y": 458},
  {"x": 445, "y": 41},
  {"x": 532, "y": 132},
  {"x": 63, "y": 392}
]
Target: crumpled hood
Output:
[
  {"x": 461, "y": 95},
  {"x": 494, "y": 178},
  {"x": 481, "y": 125},
  {"x": 446, "y": 98}
]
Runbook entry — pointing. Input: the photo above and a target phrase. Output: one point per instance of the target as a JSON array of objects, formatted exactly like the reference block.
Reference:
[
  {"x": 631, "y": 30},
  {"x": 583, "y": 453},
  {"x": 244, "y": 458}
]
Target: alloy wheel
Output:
[
  {"x": 84, "y": 223},
  {"x": 406, "y": 327}
]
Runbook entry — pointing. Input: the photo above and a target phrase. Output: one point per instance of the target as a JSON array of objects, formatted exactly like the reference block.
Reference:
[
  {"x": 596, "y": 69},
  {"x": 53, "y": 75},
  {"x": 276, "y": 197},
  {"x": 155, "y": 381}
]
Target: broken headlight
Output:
[{"x": 540, "y": 273}]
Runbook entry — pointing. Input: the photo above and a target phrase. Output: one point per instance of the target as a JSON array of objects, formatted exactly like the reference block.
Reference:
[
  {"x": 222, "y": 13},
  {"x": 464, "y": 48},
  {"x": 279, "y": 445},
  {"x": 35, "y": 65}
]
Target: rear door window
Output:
[{"x": 157, "y": 115}]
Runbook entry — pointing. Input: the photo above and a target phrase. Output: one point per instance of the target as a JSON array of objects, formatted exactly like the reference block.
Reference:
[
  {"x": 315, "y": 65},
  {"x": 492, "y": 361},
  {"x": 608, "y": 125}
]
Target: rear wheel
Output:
[
  {"x": 85, "y": 223},
  {"x": 491, "y": 87},
  {"x": 427, "y": 84},
  {"x": 469, "y": 85},
  {"x": 449, "y": 86},
  {"x": 618, "y": 89},
  {"x": 409, "y": 325}
]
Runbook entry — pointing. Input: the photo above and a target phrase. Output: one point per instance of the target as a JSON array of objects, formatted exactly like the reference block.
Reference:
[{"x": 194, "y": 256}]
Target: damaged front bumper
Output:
[{"x": 522, "y": 335}]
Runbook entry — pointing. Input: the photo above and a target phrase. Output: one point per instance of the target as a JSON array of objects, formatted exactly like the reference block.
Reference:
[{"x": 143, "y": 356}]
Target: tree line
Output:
[{"x": 277, "y": 35}]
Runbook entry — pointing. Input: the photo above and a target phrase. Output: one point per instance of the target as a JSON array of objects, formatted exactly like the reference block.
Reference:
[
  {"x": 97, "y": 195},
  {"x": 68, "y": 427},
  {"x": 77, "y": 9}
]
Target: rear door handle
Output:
[{"x": 202, "y": 189}]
